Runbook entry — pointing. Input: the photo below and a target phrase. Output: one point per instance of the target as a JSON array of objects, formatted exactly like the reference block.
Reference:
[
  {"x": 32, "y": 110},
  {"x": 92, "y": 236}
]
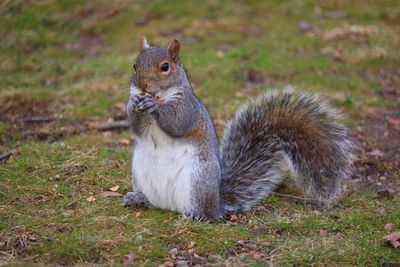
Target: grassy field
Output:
[{"x": 69, "y": 62}]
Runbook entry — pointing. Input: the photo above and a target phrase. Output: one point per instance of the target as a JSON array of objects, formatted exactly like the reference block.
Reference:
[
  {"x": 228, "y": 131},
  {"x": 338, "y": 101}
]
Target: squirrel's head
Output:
[{"x": 158, "y": 68}]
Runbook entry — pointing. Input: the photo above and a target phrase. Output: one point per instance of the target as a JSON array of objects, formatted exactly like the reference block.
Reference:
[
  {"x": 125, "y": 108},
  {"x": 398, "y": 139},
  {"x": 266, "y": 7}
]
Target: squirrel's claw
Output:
[
  {"x": 148, "y": 104},
  {"x": 133, "y": 104}
]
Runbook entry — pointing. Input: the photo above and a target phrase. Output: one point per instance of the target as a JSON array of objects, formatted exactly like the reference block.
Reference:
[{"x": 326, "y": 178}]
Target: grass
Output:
[{"x": 74, "y": 59}]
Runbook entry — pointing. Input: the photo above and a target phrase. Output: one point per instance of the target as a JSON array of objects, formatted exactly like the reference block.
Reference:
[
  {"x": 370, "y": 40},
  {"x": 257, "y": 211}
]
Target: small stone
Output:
[
  {"x": 173, "y": 252},
  {"x": 181, "y": 263},
  {"x": 139, "y": 237}
]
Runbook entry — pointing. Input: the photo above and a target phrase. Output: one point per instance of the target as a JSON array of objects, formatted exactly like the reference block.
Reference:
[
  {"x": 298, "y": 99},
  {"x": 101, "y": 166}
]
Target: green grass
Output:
[{"x": 44, "y": 215}]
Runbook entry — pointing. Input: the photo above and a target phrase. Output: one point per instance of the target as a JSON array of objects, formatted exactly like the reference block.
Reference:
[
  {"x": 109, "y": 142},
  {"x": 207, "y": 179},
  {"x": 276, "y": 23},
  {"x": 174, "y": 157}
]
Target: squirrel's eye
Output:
[
  {"x": 134, "y": 67},
  {"x": 164, "y": 67}
]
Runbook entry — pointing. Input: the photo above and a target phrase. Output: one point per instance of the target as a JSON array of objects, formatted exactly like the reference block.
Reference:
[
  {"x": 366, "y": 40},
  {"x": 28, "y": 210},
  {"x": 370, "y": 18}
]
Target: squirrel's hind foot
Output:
[{"x": 135, "y": 198}]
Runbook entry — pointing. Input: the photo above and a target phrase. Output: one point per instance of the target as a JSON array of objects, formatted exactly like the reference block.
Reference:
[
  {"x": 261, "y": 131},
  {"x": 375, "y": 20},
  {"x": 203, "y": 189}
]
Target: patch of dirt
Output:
[
  {"x": 16, "y": 243},
  {"x": 260, "y": 251},
  {"x": 377, "y": 137},
  {"x": 15, "y": 108},
  {"x": 389, "y": 80},
  {"x": 29, "y": 119},
  {"x": 87, "y": 46},
  {"x": 256, "y": 79}
]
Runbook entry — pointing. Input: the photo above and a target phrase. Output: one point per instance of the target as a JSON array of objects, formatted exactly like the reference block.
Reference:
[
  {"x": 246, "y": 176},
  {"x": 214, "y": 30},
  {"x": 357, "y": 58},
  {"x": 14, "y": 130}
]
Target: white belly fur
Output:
[{"x": 163, "y": 169}]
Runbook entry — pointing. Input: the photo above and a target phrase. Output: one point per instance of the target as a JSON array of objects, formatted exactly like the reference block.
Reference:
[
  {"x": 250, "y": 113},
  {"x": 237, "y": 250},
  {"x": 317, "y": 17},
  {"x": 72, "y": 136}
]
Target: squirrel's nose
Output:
[{"x": 142, "y": 85}]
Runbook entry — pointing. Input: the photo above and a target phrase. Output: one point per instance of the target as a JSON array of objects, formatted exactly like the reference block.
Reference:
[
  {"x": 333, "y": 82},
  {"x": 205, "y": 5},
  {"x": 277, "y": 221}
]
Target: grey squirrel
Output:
[{"x": 179, "y": 165}]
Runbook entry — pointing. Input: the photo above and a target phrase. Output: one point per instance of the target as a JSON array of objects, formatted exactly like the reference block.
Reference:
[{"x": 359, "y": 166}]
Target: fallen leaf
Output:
[
  {"x": 130, "y": 259},
  {"x": 111, "y": 194},
  {"x": 71, "y": 205},
  {"x": 234, "y": 218},
  {"x": 376, "y": 153},
  {"x": 352, "y": 30},
  {"x": 393, "y": 239},
  {"x": 91, "y": 199},
  {"x": 167, "y": 264},
  {"x": 124, "y": 142},
  {"x": 256, "y": 255},
  {"x": 114, "y": 188},
  {"x": 388, "y": 227},
  {"x": 137, "y": 214},
  {"x": 393, "y": 123},
  {"x": 322, "y": 232}
]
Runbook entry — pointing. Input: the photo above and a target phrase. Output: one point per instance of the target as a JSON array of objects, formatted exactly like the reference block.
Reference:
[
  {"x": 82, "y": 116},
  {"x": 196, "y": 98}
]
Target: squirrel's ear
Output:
[
  {"x": 173, "y": 50},
  {"x": 143, "y": 43}
]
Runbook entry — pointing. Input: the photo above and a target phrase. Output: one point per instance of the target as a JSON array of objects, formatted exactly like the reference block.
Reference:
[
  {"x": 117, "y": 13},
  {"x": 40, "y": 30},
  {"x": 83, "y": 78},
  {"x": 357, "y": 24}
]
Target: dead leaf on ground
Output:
[
  {"x": 322, "y": 232},
  {"x": 393, "y": 123},
  {"x": 376, "y": 153},
  {"x": 234, "y": 218},
  {"x": 256, "y": 255},
  {"x": 388, "y": 227},
  {"x": 111, "y": 194},
  {"x": 91, "y": 199},
  {"x": 393, "y": 239},
  {"x": 130, "y": 259},
  {"x": 167, "y": 264},
  {"x": 125, "y": 142},
  {"x": 348, "y": 30},
  {"x": 114, "y": 188}
]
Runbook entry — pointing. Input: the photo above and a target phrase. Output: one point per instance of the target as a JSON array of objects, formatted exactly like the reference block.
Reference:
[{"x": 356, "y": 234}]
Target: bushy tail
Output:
[{"x": 278, "y": 132}]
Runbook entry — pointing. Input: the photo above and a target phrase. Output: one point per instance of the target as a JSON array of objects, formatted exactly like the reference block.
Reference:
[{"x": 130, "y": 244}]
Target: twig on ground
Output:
[
  {"x": 34, "y": 119},
  {"x": 108, "y": 126}
]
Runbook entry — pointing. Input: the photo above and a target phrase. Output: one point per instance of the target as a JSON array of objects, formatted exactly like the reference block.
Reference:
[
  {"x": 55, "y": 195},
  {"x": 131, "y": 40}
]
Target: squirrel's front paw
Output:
[
  {"x": 148, "y": 104},
  {"x": 133, "y": 103}
]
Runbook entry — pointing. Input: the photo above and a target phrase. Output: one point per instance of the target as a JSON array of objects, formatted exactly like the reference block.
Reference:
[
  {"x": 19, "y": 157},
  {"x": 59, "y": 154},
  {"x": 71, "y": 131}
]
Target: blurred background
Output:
[
  {"x": 65, "y": 68},
  {"x": 74, "y": 58}
]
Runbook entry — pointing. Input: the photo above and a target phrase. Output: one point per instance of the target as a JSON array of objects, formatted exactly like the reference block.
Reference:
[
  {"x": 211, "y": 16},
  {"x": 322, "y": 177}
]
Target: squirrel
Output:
[{"x": 179, "y": 165}]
